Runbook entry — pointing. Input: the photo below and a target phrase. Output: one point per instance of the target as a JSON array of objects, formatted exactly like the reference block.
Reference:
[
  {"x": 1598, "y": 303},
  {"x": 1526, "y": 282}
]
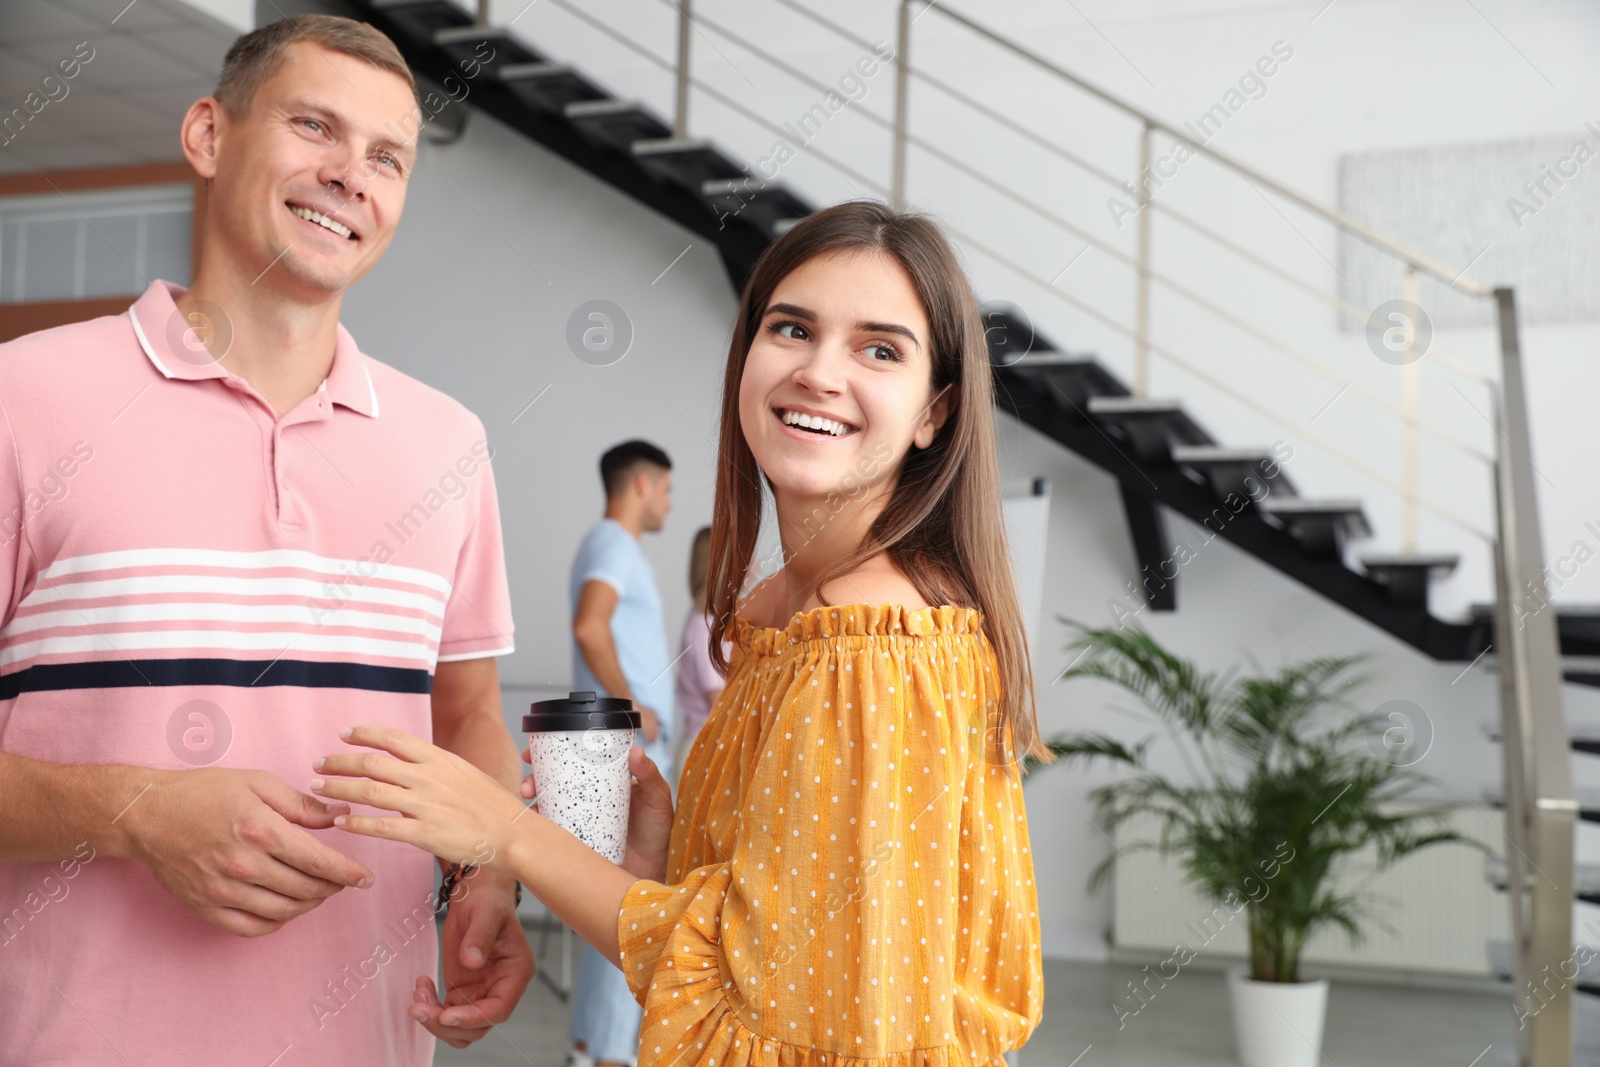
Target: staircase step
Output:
[
  {"x": 759, "y": 203},
  {"x": 1322, "y": 526},
  {"x": 549, "y": 86},
  {"x": 418, "y": 20},
  {"x": 465, "y": 47},
  {"x": 616, "y": 124},
  {"x": 1150, "y": 427},
  {"x": 1577, "y": 627},
  {"x": 1588, "y": 977},
  {"x": 1407, "y": 575},
  {"x": 1069, "y": 379},
  {"x": 1010, "y": 336},
  {"x": 1585, "y": 879},
  {"x": 685, "y": 160},
  {"x": 1584, "y": 737},
  {"x": 1231, "y": 470},
  {"x": 1588, "y": 798}
]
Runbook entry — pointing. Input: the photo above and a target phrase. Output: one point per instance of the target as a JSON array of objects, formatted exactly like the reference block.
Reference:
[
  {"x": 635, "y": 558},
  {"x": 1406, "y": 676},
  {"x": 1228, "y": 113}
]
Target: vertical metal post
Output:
[
  {"x": 1541, "y": 810},
  {"x": 483, "y": 12},
  {"x": 1411, "y": 378},
  {"x": 902, "y": 90},
  {"x": 1141, "y": 290},
  {"x": 680, "y": 115}
]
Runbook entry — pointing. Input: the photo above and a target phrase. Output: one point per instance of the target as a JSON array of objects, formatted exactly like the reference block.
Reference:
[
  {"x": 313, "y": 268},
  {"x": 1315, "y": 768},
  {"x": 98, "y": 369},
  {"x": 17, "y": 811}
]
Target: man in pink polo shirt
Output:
[{"x": 225, "y": 535}]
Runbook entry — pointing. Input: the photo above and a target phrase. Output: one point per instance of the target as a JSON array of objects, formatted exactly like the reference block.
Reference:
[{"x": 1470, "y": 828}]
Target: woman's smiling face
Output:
[{"x": 838, "y": 384}]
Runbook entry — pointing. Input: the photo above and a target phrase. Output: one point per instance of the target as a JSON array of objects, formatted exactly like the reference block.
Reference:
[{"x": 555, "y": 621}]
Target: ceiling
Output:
[{"x": 151, "y": 60}]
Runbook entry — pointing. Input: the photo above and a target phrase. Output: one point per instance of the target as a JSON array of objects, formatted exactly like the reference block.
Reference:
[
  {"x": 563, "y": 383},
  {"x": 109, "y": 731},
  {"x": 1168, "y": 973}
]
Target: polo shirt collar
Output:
[{"x": 160, "y": 329}]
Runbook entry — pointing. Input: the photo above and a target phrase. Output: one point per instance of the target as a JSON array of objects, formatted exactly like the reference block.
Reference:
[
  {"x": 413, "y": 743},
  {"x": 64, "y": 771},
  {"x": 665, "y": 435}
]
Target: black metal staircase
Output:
[
  {"x": 1161, "y": 458},
  {"x": 1159, "y": 455}
]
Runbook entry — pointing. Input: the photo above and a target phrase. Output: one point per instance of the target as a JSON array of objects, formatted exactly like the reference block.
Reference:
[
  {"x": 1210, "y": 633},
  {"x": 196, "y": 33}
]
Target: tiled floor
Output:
[{"x": 1186, "y": 1025}]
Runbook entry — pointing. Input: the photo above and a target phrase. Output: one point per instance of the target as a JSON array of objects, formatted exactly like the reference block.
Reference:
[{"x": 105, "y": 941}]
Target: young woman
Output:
[{"x": 847, "y": 873}]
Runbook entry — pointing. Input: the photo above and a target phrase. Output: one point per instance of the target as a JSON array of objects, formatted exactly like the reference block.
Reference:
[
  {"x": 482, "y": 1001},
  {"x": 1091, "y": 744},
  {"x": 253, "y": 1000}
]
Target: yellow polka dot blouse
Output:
[{"x": 850, "y": 880}]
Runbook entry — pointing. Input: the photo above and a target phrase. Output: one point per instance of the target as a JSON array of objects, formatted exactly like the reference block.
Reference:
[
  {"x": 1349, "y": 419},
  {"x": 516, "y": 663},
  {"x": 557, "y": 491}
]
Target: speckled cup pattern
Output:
[{"x": 584, "y": 785}]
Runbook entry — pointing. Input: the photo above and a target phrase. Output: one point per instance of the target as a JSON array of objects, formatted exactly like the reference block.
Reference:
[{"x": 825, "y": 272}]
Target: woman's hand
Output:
[
  {"x": 649, "y": 819},
  {"x": 450, "y": 807},
  {"x": 649, "y": 816}
]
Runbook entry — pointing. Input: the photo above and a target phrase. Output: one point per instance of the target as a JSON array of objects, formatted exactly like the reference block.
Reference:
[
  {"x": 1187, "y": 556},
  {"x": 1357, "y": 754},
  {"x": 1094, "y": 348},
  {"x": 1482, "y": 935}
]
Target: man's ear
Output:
[
  {"x": 201, "y": 135},
  {"x": 933, "y": 418}
]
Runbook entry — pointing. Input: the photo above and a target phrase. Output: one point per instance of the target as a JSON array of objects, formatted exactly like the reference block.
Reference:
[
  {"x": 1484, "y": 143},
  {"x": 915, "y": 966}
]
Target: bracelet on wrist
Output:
[{"x": 454, "y": 875}]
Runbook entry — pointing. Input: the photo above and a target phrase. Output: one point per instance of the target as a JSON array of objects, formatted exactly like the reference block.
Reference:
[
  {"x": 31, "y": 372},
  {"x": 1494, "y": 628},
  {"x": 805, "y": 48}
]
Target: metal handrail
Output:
[
  {"x": 1228, "y": 390},
  {"x": 1304, "y": 359},
  {"x": 1435, "y": 354},
  {"x": 1415, "y": 260},
  {"x": 709, "y": 90},
  {"x": 1540, "y": 805}
]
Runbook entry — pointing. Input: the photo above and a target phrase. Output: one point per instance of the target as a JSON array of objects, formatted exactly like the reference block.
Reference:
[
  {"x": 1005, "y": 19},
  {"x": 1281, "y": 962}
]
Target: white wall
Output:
[{"x": 457, "y": 303}]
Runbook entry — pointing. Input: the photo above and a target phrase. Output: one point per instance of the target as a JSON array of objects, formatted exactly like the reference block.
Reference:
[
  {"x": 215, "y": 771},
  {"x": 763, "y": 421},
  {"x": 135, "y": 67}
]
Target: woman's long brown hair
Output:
[{"x": 942, "y": 525}]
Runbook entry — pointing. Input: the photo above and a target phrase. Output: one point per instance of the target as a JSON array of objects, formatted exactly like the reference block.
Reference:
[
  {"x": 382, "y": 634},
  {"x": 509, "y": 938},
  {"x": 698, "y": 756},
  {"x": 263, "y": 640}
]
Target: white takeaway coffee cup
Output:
[{"x": 578, "y": 749}]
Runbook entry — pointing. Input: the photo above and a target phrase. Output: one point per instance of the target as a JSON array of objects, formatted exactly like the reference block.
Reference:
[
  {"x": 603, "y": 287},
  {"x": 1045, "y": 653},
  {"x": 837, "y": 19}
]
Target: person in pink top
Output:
[
  {"x": 698, "y": 680},
  {"x": 226, "y": 534}
]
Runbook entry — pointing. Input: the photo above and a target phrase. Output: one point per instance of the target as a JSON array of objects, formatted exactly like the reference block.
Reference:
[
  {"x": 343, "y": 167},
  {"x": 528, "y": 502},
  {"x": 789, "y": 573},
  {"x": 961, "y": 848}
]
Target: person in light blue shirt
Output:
[{"x": 620, "y": 650}]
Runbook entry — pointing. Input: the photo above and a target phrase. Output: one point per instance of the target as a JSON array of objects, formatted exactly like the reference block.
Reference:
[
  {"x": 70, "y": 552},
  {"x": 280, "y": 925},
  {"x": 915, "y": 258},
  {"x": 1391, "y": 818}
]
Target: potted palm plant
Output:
[{"x": 1286, "y": 782}]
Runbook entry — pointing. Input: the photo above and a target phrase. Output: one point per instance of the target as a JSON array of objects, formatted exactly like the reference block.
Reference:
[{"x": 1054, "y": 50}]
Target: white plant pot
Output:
[{"x": 1277, "y": 1024}]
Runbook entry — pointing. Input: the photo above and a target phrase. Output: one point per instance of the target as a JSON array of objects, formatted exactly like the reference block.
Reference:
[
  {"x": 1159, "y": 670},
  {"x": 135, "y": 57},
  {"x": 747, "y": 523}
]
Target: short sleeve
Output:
[
  {"x": 606, "y": 557},
  {"x": 694, "y": 653},
  {"x": 477, "y": 617},
  {"x": 15, "y": 510},
  {"x": 874, "y": 904}
]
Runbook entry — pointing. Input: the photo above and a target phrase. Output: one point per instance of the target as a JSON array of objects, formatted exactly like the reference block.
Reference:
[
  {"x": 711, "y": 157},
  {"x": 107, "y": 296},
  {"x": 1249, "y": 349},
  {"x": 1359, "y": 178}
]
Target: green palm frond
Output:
[{"x": 1286, "y": 786}]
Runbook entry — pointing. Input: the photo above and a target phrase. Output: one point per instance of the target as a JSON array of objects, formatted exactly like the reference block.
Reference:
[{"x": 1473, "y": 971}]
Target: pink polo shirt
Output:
[{"x": 187, "y": 580}]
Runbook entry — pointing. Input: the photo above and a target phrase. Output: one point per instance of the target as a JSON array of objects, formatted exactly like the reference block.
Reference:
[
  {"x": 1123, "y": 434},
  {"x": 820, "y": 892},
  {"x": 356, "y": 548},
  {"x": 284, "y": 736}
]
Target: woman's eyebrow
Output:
[
  {"x": 789, "y": 309},
  {"x": 888, "y": 327},
  {"x": 865, "y": 327}
]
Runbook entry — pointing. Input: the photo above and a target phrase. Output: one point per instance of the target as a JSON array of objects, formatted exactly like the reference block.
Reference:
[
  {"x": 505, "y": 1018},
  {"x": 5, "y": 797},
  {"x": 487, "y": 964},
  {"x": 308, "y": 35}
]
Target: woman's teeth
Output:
[
  {"x": 814, "y": 422},
  {"x": 322, "y": 220}
]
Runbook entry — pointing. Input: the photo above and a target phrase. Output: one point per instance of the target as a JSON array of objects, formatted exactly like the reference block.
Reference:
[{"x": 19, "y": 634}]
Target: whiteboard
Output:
[{"x": 1027, "y": 520}]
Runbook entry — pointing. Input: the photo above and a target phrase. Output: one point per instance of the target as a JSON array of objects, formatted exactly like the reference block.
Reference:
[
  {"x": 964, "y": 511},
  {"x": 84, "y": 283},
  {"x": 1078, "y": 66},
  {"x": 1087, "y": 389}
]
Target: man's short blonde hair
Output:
[{"x": 256, "y": 55}]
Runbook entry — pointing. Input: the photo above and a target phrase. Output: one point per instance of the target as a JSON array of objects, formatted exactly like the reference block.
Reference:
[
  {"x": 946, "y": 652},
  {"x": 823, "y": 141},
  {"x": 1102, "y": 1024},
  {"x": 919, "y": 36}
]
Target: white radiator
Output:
[{"x": 1441, "y": 908}]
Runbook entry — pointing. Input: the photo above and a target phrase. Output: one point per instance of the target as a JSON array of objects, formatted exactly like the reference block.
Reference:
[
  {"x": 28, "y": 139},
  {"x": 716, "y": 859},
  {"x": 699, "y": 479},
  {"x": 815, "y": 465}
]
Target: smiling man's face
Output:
[{"x": 310, "y": 182}]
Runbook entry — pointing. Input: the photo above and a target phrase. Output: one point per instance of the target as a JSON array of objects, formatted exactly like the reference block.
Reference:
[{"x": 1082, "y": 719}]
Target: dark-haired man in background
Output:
[{"x": 620, "y": 650}]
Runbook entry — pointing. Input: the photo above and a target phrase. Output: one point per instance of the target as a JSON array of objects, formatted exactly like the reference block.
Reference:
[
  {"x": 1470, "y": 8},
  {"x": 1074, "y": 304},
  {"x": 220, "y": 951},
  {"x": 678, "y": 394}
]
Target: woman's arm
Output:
[{"x": 452, "y": 809}]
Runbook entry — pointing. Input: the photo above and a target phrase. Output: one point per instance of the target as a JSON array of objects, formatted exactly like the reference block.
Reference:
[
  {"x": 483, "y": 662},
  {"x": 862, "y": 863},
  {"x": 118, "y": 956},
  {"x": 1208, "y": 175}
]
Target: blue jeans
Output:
[{"x": 605, "y": 1017}]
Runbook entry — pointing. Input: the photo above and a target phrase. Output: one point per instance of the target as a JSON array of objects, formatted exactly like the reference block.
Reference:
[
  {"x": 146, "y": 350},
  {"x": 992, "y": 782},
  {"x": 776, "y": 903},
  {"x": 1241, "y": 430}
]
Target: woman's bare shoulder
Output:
[
  {"x": 878, "y": 581},
  {"x": 764, "y": 605}
]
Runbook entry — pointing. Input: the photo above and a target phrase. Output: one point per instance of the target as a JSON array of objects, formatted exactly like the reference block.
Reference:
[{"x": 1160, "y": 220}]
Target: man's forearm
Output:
[
  {"x": 482, "y": 741},
  {"x": 600, "y": 653},
  {"x": 47, "y": 810},
  {"x": 475, "y": 730}
]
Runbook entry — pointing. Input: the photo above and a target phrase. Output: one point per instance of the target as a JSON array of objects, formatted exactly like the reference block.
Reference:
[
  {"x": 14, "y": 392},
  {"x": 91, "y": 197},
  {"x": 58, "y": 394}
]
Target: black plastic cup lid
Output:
[{"x": 581, "y": 711}]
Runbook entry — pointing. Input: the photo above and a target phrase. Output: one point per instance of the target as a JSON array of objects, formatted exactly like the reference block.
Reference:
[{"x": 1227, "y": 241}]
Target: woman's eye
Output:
[
  {"x": 792, "y": 330},
  {"x": 884, "y": 353}
]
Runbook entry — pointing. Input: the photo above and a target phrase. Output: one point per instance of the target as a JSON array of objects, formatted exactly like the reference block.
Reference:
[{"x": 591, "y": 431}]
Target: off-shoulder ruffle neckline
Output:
[{"x": 857, "y": 620}]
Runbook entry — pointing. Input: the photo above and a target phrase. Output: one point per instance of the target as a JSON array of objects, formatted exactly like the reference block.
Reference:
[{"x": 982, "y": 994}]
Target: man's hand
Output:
[
  {"x": 651, "y": 722},
  {"x": 226, "y": 844},
  {"x": 487, "y": 963}
]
